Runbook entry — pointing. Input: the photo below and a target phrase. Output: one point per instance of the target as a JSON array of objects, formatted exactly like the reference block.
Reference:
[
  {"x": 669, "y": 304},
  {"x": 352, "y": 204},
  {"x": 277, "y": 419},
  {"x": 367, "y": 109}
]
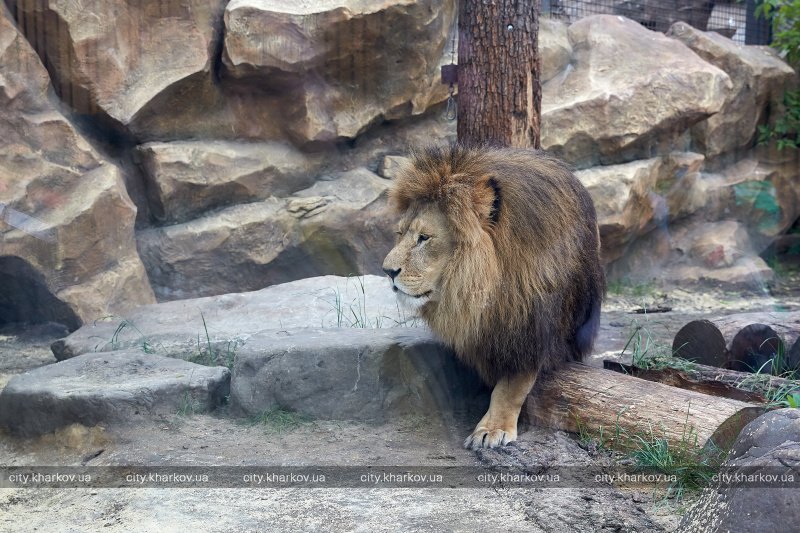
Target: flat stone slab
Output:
[
  {"x": 113, "y": 387},
  {"x": 354, "y": 374},
  {"x": 182, "y": 328}
]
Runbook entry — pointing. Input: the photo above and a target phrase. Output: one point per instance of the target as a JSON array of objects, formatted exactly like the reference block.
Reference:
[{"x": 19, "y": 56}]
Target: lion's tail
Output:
[{"x": 587, "y": 330}]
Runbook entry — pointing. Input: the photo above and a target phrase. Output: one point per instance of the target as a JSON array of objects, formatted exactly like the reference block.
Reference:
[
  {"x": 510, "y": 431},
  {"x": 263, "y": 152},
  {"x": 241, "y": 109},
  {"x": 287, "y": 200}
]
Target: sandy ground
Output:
[{"x": 217, "y": 439}]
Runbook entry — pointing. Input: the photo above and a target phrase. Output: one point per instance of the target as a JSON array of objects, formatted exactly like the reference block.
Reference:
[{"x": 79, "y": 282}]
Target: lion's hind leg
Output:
[{"x": 498, "y": 426}]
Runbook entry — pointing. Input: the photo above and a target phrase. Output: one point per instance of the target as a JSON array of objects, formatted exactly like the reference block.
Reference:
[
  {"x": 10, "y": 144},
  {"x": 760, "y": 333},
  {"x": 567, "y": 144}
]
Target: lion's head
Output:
[
  {"x": 499, "y": 252},
  {"x": 416, "y": 264}
]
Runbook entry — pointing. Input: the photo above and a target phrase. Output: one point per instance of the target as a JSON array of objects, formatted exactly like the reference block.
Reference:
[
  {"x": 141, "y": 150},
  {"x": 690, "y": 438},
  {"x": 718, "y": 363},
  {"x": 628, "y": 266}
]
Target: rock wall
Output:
[{"x": 181, "y": 149}]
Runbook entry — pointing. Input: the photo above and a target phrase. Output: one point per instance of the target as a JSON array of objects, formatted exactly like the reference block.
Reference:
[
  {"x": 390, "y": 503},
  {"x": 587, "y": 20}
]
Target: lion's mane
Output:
[{"x": 524, "y": 286}]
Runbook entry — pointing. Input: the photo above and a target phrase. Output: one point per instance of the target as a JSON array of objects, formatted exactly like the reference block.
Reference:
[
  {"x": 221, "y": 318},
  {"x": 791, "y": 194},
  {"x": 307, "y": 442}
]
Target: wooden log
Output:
[
  {"x": 743, "y": 386},
  {"x": 785, "y": 323},
  {"x": 702, "y": 342},
  {"x": 754, "y": 349},
  {"x": 624, "y": 405},
  {"x": 711, "y": 342}
]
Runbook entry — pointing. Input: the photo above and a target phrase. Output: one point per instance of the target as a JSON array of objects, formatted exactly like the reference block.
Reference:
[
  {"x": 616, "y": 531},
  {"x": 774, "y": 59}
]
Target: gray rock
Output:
[
  {"x": 111, "y": 387},
  {"x": 769, "y": 445},
  {"x": 185, "y": 178},
  {"x": 183, "y": 328},
  {"x": 359, "y": 374},
  {"x": 337, "y": 226}
]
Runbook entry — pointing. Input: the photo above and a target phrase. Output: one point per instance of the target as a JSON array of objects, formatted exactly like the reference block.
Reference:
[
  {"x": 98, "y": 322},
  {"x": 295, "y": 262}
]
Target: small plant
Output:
[
  {"x": 688, "y": 466},
  {"x": 280, "y": 420},
  {"x": 188, "y": 406},
  {"x": 601, "y": 439},
  {"x": 787, "y": 395},
  {"x": 648, "y": 354},
  {"x": 207, "y": 355},
  {"x": 353, "y": 313},
  {"x": 115, "y": 343},
  {"x": 685, "y": 465}
]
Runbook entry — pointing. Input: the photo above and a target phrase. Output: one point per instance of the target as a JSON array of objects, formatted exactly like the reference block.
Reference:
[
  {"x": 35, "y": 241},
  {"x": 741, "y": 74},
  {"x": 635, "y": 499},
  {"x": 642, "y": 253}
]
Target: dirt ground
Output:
[{"x": 217, "y": 439}]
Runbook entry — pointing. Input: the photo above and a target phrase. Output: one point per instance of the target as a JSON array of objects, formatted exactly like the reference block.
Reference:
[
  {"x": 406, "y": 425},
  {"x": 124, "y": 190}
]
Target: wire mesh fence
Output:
[{"x": 733, "y": 18}]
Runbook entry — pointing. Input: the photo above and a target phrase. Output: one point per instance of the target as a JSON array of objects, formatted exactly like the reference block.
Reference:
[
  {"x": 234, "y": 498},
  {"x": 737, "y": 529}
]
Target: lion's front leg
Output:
[{"x": 498, "y": 426}]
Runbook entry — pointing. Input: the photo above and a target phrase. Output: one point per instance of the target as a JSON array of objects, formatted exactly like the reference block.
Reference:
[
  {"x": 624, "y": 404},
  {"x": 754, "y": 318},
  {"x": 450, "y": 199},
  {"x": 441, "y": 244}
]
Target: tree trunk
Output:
[
  {"x": 625, "y": 406},
  {"x": 499, "y": 89}
]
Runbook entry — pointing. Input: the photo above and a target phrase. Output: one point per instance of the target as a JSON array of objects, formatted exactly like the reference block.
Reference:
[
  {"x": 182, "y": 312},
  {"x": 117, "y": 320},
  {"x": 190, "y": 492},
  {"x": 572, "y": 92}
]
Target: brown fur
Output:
[{"x": 521, "y": 288}]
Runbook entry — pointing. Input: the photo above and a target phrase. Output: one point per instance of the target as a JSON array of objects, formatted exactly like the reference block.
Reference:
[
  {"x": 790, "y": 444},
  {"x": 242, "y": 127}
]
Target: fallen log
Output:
[
  {"x": 582, "y": 396},
  {"x": 743, "y": 386},
  {"x": 744, "y": 341}
]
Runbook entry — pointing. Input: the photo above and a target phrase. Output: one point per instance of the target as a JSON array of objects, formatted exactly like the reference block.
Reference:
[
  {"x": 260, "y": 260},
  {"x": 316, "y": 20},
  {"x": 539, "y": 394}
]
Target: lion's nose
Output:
[{"x": 391, "y": 273}]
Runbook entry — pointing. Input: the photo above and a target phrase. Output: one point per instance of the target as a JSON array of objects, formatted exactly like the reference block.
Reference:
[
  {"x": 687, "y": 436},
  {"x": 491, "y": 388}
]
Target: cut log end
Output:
[
  {"x": 702, "y": 342},
  {"x": 755, "y": 349}
]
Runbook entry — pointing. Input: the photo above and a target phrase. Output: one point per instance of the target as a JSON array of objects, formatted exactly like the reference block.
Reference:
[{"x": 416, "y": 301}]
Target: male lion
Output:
[{"x": 498, "y": 250}]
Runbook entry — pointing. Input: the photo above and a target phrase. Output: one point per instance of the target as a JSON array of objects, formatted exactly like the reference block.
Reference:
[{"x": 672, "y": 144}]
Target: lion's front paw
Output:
[{"x": 483, "y": 437}]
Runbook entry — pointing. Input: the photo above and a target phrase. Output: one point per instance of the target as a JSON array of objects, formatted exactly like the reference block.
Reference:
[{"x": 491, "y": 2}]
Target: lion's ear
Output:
[{"x": 488, "y": 199}]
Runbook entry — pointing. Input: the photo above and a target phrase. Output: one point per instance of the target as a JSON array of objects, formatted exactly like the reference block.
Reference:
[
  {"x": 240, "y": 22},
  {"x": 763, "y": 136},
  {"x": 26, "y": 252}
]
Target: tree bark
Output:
[
  {"x": 743, "y": 386},
  {"x": 499, "y": 89},
  {"x": 579, "y": 395}
]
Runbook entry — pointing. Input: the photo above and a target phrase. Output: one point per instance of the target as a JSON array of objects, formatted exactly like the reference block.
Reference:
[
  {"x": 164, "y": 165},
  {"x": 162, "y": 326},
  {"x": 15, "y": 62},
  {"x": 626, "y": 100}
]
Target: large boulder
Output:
[
  {"x": 118, "y": 387},
  {"x": 633, "y": 198},
  {"x": 341, "y": 65},
  {"x": 756, "y": 494},
  {"x": 183, "y": 328},
  {"x": 337, "y": 226},
  {"x": 186, "y": 178},
  {"x": 127, "y": 62},
  {"x": 364, "y": 374},
  {"x": 603, "y": 110},
  {"x": 67, "y": 246},
  {"x": 759, "y": 80}
]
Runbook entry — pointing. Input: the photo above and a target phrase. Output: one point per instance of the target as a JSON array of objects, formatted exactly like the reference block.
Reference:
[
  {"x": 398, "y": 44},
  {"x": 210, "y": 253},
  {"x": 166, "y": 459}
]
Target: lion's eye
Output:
[{"x": 422, "y": 238}]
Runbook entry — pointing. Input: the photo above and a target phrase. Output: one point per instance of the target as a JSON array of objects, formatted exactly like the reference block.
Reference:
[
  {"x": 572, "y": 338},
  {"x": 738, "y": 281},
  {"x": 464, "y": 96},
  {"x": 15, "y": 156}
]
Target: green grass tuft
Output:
[{"x": 280, "y": 420}]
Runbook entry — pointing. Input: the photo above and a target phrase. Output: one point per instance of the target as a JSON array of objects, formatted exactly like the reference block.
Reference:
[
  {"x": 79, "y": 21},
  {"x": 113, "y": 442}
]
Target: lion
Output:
[{"x": 498, "y": 250}]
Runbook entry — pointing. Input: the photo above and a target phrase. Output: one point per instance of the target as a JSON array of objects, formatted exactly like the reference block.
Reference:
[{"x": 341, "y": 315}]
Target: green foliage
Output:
[
  {"x": 689, "y": 466},
  {"x": 785, "y": 17},
  {"x": 686, "y": 466},
  {"x": 786, "y": 132}
]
